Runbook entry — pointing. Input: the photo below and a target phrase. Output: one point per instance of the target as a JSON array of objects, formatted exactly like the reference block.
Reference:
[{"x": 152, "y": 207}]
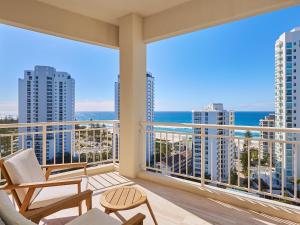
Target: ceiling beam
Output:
[
  {"x": 37, "y": 16},
  {"x": 200, "y": 14}
]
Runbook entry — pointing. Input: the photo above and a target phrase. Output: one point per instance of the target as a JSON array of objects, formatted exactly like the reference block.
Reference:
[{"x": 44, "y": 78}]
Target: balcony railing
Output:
[
  {"x": 234, "y": 159},
  {"x": 253, "y": 163},
  {"x": 94, "y": 142}
]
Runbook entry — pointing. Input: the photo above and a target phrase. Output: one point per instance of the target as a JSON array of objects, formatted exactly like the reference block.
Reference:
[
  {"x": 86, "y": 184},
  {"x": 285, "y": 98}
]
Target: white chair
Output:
[
  {"x": 10, "y": 216},
  {"x": 34, "y": 194}
]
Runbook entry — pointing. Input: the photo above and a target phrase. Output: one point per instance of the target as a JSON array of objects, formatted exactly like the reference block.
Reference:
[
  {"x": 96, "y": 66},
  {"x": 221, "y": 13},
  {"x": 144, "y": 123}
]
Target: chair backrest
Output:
[
  {"x": 8, "y": 212},
  {"x": 23, "y": 167}
]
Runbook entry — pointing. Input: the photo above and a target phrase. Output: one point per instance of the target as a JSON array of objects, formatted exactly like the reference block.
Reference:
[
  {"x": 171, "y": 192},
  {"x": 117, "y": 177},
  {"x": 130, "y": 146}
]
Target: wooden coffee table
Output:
[{"x": 124, "y": 198}]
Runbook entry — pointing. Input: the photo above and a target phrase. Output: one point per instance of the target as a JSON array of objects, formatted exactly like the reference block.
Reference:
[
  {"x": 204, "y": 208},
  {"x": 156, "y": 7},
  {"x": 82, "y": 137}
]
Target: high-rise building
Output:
[
  {"x": 266, "y": 146},
  {"x": 287, "y": 104},
  {"x": 46, "y": 95},
  {"x": 217, "y": 149},
  {"x": 149, "y": 110}
]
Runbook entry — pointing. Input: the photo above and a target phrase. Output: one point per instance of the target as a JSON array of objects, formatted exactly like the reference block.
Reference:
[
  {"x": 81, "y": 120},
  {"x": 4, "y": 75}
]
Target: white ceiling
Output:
[{"x": 110, "y": 10}]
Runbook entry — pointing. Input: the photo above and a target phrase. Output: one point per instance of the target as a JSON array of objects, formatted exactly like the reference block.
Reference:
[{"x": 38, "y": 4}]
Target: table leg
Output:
[
  {"x": 120, "y": 216},
  {"x": 151, "y": 212},
  {"x": 107, "y": 211}
]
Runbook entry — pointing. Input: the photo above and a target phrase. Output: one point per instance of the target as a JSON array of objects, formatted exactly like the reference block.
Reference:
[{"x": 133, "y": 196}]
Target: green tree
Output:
[
  {"x": 244, "y": 162},
  {"x": 266, "y": 160},
  {"x": 247, "y": 142},
  {"x": 244, "y": 154},
  {"x": 233, "y": 176}
]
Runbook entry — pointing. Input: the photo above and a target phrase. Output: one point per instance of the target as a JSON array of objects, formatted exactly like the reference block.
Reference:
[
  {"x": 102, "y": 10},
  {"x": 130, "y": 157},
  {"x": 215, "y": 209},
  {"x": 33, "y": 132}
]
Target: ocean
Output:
[{"x": 241, "y": 118}]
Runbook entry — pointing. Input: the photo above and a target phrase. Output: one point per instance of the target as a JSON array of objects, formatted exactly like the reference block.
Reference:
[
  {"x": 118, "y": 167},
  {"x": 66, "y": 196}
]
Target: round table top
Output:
[{"x": 122, "y": 198}]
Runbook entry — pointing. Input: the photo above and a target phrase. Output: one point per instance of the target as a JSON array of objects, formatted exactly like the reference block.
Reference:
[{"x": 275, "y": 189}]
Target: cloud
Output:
[
  {"x": 94, "y": 105},
  {"x": 9, "y": 108}
]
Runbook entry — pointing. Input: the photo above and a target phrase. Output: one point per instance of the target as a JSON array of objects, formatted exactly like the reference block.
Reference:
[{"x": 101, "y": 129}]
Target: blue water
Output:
[{"x": 241, "y": 118}]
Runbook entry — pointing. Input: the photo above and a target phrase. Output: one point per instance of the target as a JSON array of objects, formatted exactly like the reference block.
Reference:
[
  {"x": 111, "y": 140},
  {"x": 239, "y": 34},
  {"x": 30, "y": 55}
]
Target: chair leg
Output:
[
  {"x": 151, "y": 212},
  {"x": 36, "y": 220},
  {"x": 80, "y": 209},
  {"x": 88, "y": 202}
]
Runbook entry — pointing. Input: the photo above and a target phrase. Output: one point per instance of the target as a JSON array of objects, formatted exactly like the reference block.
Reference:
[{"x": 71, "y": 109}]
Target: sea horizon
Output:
[{"x": 242, "y": 118}]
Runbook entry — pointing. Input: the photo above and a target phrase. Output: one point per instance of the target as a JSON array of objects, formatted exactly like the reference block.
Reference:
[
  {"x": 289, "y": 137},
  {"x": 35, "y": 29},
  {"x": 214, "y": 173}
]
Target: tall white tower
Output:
[
  {"x": 287, "y": 104},
  {"x": 149, "y": 111},
  {"x": 217, "y": 150},
  {"x": 46, "y": 95}
]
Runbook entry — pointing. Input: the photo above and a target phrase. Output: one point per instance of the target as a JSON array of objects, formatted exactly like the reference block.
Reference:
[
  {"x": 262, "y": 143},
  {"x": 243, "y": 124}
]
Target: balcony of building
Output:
[{"x": 182, "y": 188}]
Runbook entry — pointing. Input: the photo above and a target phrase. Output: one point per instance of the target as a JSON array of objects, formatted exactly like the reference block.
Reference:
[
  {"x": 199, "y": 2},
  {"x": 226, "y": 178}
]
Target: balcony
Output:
[
  {"x": 181, "y": 187},
  {"x": 184, "y": 184}
]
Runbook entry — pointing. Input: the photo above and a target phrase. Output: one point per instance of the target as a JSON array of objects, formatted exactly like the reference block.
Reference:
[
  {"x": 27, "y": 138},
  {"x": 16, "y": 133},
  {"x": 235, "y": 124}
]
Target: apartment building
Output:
[
  {"x": 47, "y": 95},
  {"x": 218, "y": 151},
  {"x": 267, "y": 147},
  {"x": 287, "y": 104},
  {"x": 150, "y": 143}
]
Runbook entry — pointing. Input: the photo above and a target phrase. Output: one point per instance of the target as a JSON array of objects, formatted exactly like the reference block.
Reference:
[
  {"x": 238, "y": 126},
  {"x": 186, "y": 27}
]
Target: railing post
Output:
[
  {"x": 44, "y": 148},
  {"x": 143, "y": 146},
  {"x": 114, "y": 144},
  {"x": 202, "y": 135}
]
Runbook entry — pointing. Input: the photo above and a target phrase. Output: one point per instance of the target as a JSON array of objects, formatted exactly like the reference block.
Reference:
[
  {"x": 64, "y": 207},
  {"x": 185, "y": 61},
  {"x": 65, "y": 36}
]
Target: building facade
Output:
[
  {"x": 267, "y": 147},
  {"x": 287, "y": 104},
  {"x": 217, "y": 150},
  {"x": 150, "y": 140},
  {"x": 46, "y": 95}
]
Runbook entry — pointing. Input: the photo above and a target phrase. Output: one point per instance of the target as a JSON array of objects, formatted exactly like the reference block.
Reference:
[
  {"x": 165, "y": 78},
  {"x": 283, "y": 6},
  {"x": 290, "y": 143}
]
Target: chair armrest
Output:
[
  {"x": 37, "y": 214},
  {"x": 65, "y": 166},
  {"x": 43, "y": 184},
  {"x": 135, "y": 220},
  {"x": 53, "y": 167}
]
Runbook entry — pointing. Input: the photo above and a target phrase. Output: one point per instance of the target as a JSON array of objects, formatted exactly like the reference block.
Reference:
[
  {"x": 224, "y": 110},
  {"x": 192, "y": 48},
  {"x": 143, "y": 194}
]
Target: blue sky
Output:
[{"x": 231, "y": 63}]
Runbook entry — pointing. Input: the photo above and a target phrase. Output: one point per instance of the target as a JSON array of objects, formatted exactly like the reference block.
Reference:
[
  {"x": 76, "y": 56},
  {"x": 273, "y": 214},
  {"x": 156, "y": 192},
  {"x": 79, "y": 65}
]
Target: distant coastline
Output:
[{"x": 242, "y": 118}]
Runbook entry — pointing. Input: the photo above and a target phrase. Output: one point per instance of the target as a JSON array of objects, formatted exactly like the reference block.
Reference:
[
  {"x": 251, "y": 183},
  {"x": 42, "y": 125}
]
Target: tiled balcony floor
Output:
[{"x": 171, "y": 206}]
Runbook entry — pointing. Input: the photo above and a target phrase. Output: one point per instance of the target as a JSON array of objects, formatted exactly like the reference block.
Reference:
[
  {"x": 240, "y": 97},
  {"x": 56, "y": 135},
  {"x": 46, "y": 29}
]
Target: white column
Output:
[{"x": 132, "y": 94}]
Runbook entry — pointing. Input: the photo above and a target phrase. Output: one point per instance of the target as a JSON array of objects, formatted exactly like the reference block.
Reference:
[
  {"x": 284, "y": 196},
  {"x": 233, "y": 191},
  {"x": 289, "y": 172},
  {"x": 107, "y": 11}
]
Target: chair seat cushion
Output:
[
  {"x": 50, "y": 195},
  {"x": 9, "y": 214},
  {"x": 94, "y": 217},
  {"x": 1, "y": 222}
]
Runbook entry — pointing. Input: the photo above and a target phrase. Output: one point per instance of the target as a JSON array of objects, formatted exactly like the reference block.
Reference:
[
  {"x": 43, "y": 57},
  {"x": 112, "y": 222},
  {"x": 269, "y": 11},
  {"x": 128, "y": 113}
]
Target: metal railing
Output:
[
  {"x": 227, "y": 156},
  {"x": 236, "y": 157},
  {"x": 94, "y": 142}
]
